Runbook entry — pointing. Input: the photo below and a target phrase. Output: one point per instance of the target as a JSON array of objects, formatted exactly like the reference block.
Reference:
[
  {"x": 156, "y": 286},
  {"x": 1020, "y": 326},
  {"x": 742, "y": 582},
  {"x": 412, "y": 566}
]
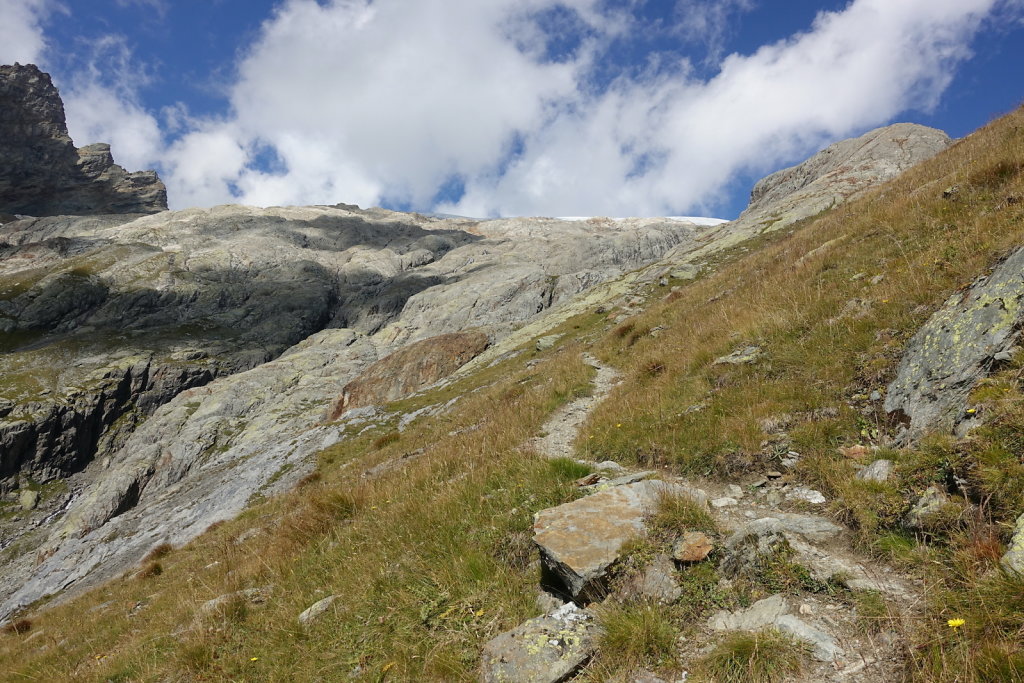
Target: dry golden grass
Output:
[{"x": 432, "y": 558}]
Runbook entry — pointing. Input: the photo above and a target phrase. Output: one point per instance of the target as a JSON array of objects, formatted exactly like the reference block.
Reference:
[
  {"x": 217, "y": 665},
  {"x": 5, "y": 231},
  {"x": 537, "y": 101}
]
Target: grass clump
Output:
[
  {"x": 636, "y": 634},
  {"x": 568, "y": 470},
  {"x": 677, "y": 513},
  {"x": 873, "y": 612},
  {"x": 762, "y": 657},
  {"x": 17, "y": 627},
  {"x": 150, "y": 570}
]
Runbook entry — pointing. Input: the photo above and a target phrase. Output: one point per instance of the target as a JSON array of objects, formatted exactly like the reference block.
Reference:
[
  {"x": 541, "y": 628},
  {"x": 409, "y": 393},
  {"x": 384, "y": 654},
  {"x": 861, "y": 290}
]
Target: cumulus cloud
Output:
[
  {"x": 668, "y": 143},
  {"x": 21, "y": 30},
  {"x": 495, "y": 108},
  {"x": 102, "y": 104}
]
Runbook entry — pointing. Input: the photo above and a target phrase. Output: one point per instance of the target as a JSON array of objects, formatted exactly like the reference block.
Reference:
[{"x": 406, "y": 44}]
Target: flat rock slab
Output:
[
  {"x": 547, "y": 649},
  {"x": 774, "y": 612},
  {"x": 580, "y": 540}
]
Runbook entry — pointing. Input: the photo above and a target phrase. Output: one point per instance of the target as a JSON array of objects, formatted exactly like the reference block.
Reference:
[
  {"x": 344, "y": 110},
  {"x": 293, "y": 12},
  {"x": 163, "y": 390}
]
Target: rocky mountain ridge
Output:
[{"x": 41, "y": 171}]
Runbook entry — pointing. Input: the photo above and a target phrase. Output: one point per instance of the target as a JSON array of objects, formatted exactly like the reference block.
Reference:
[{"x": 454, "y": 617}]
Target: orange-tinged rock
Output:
[
  {"x": 693, "y": 547},
  {"x": 408, "y": 370}
]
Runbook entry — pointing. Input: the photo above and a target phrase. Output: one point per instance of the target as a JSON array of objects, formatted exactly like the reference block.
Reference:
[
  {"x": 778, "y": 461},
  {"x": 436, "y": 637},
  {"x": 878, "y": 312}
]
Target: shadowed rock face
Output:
[{"x": 41, "y": 172}]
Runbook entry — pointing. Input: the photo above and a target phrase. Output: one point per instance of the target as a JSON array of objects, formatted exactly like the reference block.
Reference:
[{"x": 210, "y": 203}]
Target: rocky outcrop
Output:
[
  {"x": 290, "y": 305},
  {"x": 829, "y": 178},
  {"x": 47, "y": 440},
  {"x": 41, "y": 172},
  {"x": 581, "y": 540},
  {"x": 971, "y": 334},
  {"x": 408, "y": 370},
  {"x": 839, "y": 171}
]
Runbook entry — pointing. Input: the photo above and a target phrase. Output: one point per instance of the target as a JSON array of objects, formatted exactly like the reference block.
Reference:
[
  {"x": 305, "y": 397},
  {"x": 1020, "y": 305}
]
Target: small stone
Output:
[
  {"x": 1003, "y": 357},
  {"x": 627, "y": 479},
  {"x": 774, "y": 474},
  {"x": 759, "y": 615},
  {"x": 877, "y": 280},
  {"x": 759, "y": 483},
  {"x": 876, "y": 395},
  {"x": 734, "y": 491},
  {"x": 663, "y": 282},
  {"x": 589, "y": 480},
  {"x": 724, "y": 502},
  {"x": 659, "y": 582},
  {"x": 256, "y": 596},
  {"x": 28, "y": 499},
  {"x": 805, "y": 494},
  {"x": 742, "y": 356},
  {"x": 824, "y": 647},
  {"x": 547, "y": 602},
  {"x": 930, "y": 502},
  {"x": 610, "y": 465},
  {"x": 879, "y": 470},
  {"x": 854, "y": 452},
  {"x": 316, "y": 610},
  {"x": 693, "y": 547},
  {"x": 805, "y": 609},
  {"x": 545, "y": 343}
]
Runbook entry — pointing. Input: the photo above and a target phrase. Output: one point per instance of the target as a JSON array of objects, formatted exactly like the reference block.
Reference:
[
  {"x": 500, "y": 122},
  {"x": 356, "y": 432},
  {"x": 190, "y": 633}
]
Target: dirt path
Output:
[{"x": 561, "y": 429}]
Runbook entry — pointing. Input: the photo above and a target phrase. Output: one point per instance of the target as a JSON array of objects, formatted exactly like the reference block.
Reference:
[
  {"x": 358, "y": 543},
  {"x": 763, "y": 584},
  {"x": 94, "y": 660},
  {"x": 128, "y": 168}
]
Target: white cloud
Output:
[
  {"x": 708, "y": 22},
  {"x": 390, "y": 100},
  {"x": 854, "y": 69},
  {"x": 101, "y": 104},
  {"x": 21, "y": 30},
  {"x": 160, "y": 7}
]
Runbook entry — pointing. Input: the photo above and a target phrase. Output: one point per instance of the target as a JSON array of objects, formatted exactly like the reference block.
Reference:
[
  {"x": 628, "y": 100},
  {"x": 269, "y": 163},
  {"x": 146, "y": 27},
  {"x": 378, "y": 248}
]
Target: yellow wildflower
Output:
[
  {"x": 254, "y": 659},
  {"x": 956, "y": 623}
]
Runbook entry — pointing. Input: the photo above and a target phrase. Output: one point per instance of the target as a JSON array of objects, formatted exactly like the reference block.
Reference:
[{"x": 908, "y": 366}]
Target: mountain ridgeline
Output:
[{"x": 163, "y": 372}]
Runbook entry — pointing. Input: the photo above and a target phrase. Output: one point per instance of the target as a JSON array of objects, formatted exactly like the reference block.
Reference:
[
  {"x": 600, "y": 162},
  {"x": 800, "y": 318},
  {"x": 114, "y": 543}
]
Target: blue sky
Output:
[{"x": 507, "y": 107}]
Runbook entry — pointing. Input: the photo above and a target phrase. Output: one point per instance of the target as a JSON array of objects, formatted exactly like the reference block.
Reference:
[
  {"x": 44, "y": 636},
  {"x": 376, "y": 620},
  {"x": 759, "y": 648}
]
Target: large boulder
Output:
[
  {"x": 581, "y": 540},
  {"x": 958, "y": 346},
  {"x": 41, "y": 172}
]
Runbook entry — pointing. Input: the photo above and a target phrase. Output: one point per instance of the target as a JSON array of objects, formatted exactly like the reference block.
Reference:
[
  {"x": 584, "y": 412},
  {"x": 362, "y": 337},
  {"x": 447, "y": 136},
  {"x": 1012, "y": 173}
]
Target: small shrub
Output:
[
  {"x": 764, "y": 657},
  {"x": 652, "y": 368},
  {"x": 309, "y": 479},
  {"x": 996, "y": 174},
  {"x": 159, "y": 552},
  {"x": 151, "y": 570},
  {"x": 18, "y": 627},
  {"x": 625, "y": 328},
  {"x": 386, "y": 440}
]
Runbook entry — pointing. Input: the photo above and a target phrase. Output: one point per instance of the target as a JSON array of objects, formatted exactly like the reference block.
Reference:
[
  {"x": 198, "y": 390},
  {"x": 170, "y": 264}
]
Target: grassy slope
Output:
[{"x": 432, "y": 559}]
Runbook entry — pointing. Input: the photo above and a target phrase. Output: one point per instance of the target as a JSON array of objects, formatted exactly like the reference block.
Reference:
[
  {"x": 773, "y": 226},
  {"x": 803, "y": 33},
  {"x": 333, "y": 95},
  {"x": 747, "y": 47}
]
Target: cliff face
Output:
[{"x": 41, "y": 171}]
